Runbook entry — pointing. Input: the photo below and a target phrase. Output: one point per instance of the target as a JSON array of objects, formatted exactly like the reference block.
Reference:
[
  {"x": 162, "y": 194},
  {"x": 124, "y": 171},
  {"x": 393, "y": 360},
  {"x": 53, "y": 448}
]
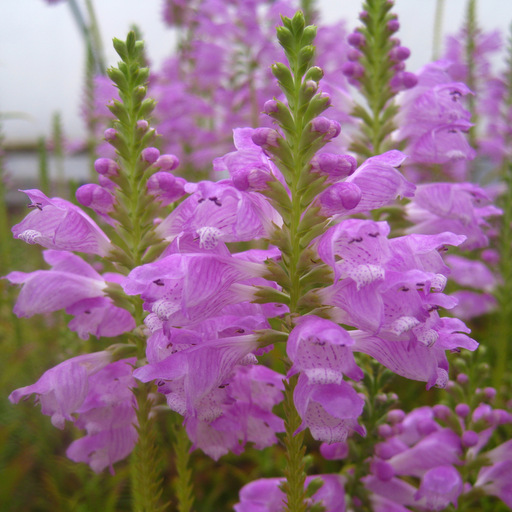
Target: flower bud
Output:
[
  {"x": 250, "y": 179},
  {"x": 441, "y": 412},
  {"x": 340, "y": 197},
  {"x": 270, "y": 107},
  {"x": 95, "y": 197},
  {"x": 384, "y": 431},
  {"x": 314, "y": 73},
  {"x": 334, "y": 451},
  {"x": 462, "y": 410},
  {"x": 330, "y": 128},
  {"x": 150, "y": 155},
  {"x": 110, "y": 134},
  {"x": 352, "y": 69},
  {"x": 396, "y": 416},
  {"x": 393, "y": 25},
  {"x": 106, "y": 167},
  {"x": 462, "y": 378},
  {"x": 335, "y": 166},
  {"x": 142, "y": 125},
  {"x": 400, "y": 53},
  {"x": 354, "y": 55},
  {"x": 489, "y": 393},
  {"x": 469, "y": 438},
  {"x": 382, "y": 470},
  {"x": 265, "y": 137},
  {"x": 356, "y": 39},
  {"x": 409, "y": 80},
  {"x": 166, "y": 187},
  {"x": 167, "y": 162}
]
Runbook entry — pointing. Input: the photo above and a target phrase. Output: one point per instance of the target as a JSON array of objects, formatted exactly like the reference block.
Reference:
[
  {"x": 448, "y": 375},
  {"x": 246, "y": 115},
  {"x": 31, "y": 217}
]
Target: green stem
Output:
[
  {"x": 146, "y": 488},
  {"x": 438, "y": 29},
  {"x": 95, "y": 38},
  {"x": 471, "y": 34},
  {"x": 295, "y": 471},
  {"x": 504, "y": 326},
  {"x": 134, "y": 212},
  {"x": 504, "y": 292},
  {"x": 183, "y": 483}
]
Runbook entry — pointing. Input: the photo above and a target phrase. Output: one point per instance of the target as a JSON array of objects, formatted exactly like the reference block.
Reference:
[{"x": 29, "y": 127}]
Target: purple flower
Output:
[
  {"x": 58, "y": 224},
  {"x": 361, "y": 246},
  {"x": 245, "y": 413},
  {"x": 63, "y": 389},
  {"x": 108, "y": 416},
  {"x": 330, "y": 411},
  {"x": 73, "y": 285},
  {"x": 265, "y": 495},
  {"x": 321, "y": 350},
  {"x": 439, "y": 487},
  {"x": 461, "y": 208},
  {"x": 219, "y": 211},
  {"x": 380, "y": 182},
  {"x": 182, "y": 289},
  {"x": 433, "y": 120},
  {"x": 249, "y": 167},
  {"x": 195, "y": 371}
]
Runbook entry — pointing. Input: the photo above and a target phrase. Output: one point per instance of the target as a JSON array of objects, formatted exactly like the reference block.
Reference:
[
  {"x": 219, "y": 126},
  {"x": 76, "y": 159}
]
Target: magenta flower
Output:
[
  {"x": 433, "y": 120},
  {"x": 183, "y": 289},
  {"x": 249, "y": 167},
  {"x": 461, "y": 208},
  {"x": 439, "y": 487},
  {"x": 265, "y": 495},
  {"x": 245, "y": 415},
  {"x": 220, "y": 212},
  {"x": 58, "y": 224},
  {"x": 194, "y": 371},
  {"x": 362, "y": 247},
  {"x": 73, "y": 285},
  {"x": 330, "y": 411},
  {"x": 63, "y": 389},
  {"x": 108, "y": 416},
  {"x": 320, "y": 349},
  {"x": 380, "y": 182}
]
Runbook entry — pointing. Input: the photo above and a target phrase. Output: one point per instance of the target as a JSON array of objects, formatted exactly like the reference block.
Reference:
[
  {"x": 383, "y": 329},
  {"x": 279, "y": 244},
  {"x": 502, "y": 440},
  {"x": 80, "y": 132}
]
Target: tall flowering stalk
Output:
[
  {"x": 302, "y": 138},
  {"x": 376, "y": 66},
  {"x": 505, "y": 288},
  {"x": 134, "y": 240}
]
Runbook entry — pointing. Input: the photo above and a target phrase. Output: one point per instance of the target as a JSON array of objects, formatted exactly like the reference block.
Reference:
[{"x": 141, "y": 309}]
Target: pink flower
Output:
[{"x": 58, "y": 224}]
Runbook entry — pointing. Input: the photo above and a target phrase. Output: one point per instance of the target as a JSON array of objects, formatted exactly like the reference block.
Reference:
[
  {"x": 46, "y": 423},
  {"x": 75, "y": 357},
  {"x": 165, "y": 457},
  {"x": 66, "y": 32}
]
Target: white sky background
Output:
[{"x": 42, "y": 52}]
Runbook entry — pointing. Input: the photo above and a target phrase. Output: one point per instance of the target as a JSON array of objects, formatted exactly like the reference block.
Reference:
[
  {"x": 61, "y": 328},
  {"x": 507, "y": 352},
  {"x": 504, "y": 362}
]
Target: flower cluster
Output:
[{"x": 274, "y": 299}]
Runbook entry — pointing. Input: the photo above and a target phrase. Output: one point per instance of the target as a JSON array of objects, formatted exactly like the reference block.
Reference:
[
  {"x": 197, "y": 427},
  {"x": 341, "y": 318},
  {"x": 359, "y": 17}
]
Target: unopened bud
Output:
[
  {"x": 441, "y": 412},
  {"x": 106, "y": 167},
  {"x": 110, "y": 134},
  {"x": 356, "y": 39},
  {"x": 150, "y": 155},
  {"x": 340, "y": 197},
  {"x": 270, "y": 107},
  {"x": 167, "y": 162},
  {"x": 95, "y": 197},
  {"x": 393, "y": 25},
  {"x": 265, "y": 137},
  {"x": 142, "y": 125},
  {"x": 469, "y": 438},
  {"x": 462, "y": 410}
]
